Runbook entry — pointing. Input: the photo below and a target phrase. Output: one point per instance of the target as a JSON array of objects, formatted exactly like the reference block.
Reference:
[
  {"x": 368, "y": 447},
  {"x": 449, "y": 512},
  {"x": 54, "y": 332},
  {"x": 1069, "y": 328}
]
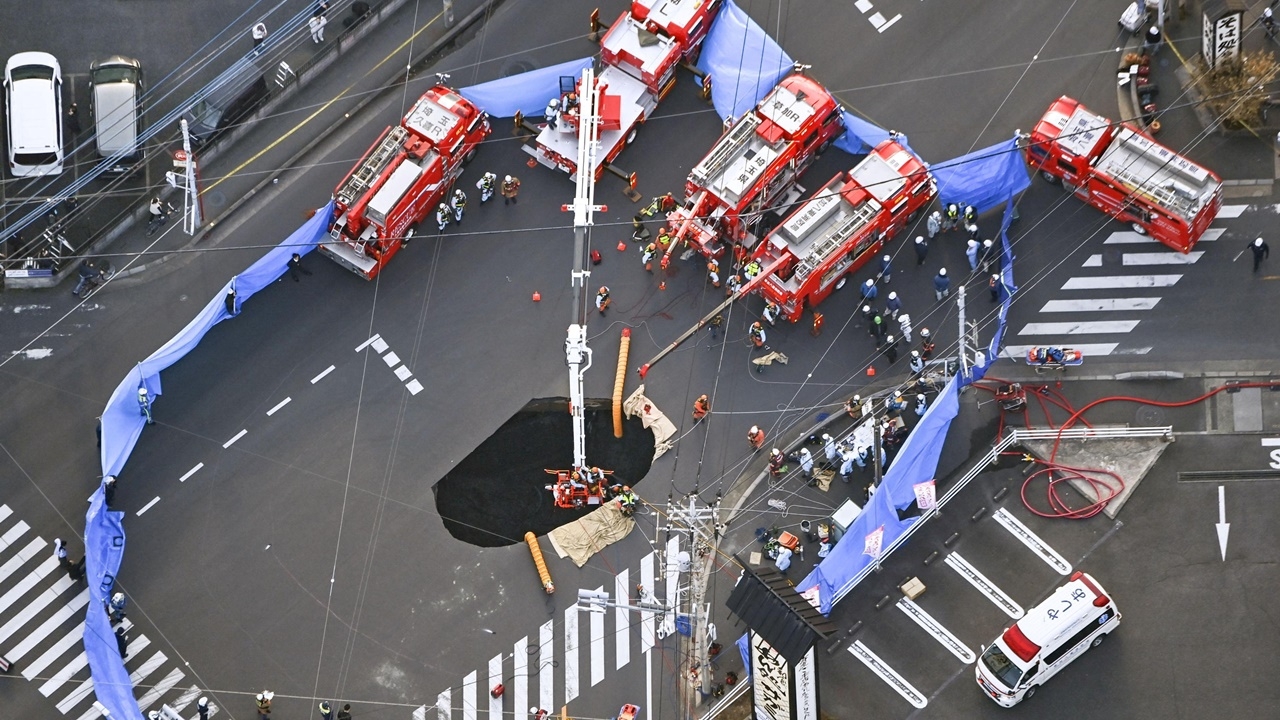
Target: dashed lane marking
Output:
[
  {"x": 984, "y": 586},
  {"x": 149, "y": 505},
  {"x": 279, "y": 405},
  {"x": 368, "y": 342},
  {"x": 320, "y": 377},
  {"x": 1032, "y": 541},
  {"x": 889, "y": 675},
  {"x": 233, "y": 440},
  {"x": 191, "y": 472},
  {"x": 413, "y": 386},
  {"x": 936, "y": 629},
  {"x": 391, "y": 359},
  {"x": 570, "y": 654}
]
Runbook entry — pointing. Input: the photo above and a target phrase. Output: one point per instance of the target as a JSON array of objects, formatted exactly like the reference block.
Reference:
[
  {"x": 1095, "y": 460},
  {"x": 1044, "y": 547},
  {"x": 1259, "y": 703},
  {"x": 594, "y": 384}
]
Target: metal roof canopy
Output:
[{"x": 768, "y": 603}]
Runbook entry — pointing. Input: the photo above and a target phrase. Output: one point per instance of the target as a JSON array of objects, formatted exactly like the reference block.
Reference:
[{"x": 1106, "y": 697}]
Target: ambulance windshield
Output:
[{"x": 1001, "y": 666}]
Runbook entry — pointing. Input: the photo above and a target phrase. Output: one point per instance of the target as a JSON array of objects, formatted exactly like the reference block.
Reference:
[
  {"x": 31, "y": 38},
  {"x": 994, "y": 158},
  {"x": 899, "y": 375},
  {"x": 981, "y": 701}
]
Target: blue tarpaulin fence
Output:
[
  {"x": 744, "y": 63},
  {"x": 527, "y": 92},
  {"x": 122, "y": 423},
  {"x": 984, "y": 178}
]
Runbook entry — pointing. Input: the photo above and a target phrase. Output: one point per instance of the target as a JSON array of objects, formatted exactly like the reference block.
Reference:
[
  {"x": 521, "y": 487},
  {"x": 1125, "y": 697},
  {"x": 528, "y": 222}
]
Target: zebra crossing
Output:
[
  {"x": 1081, "y": 315},
  {"x": 42, "y": 627},
  {"x": 545, "y": 670}
]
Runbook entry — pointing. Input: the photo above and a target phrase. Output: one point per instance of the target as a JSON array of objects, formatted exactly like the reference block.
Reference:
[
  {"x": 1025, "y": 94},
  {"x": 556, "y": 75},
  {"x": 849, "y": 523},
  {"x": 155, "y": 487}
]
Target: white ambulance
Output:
[{"x": 1076, "y": 617}]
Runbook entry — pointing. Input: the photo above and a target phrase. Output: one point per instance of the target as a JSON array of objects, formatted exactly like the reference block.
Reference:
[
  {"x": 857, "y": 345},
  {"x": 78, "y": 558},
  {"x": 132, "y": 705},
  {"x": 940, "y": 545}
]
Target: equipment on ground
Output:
[
  {"x": 1123, "y": 172},
  {"x": 1053, "y": 358},
  {"x": 629, "y": 712},
  {"x": 401, "y": 179},
  {"x": 753, "y": 167},
  {"x": 639, "y": 53}
]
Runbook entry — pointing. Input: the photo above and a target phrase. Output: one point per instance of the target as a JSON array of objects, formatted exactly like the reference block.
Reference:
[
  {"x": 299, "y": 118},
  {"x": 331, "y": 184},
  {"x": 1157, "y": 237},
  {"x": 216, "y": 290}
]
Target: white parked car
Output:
[{"x": 33, "y": 101}]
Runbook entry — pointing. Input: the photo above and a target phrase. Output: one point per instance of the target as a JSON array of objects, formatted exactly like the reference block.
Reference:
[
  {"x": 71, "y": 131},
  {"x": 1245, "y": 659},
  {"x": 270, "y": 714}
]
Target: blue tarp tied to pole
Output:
[
  {"x": 860, "y": 136},
  {"x": 122, "y": 423},
  {"x": 743, "y": 61},
  {"x": 983, "y": 178},
  {"x": 744, "y": 649},
  {"x": 1007, "y": 289},
  {"x": 527, "y": 92}
]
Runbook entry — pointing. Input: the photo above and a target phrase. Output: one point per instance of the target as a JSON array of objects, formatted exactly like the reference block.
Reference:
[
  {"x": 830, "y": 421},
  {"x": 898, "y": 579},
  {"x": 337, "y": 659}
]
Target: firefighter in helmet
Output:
[
  {"x": 486, "y": 185},
  {"x": 627, "y": 501},
  {"x": 770, "y": 313},
  {"x": 458, "y": 203},
  {"x": 734, "y": 284},
  {"x": 442, "y": 216},
  {"x": 952, "y": 217},
  {"x": 753, "y": 269},
  {"x": 757, "y": 334},
  {"x": 603, "y": 299}
]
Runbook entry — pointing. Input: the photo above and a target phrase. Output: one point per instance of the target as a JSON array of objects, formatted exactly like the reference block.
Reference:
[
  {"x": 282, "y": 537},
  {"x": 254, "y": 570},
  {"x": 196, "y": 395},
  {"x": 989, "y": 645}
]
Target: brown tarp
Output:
[
  {"x": 663, "y": 429},
  {"x": 591, "y": 533}
]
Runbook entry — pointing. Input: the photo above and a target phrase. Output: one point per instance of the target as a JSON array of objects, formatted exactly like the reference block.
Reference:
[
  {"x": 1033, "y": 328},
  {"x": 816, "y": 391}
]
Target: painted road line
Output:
[
  {"x": 546, "y": 664},
  {"x": 191, "y": 472},
  {"x": 320, "y": 377},
  {"x": 520, "y": 677},
  {"x": 187, "y": 697},
  {"x": 420, "y": 712},
  {"x": 936, "y": 629},
  {"x": 233, "y": 440},
  {"x": 148, "y": 506},
  {"x": 5, "y": 512},
  {"x": 279, "y": 405},
  {"x": 864, "y": 6},
  {"x": 80, "y": 693},
  {"x": 596, "y": 628},
  {"x": 984, "y": 586},
  {"x": 1232, "y": 211},
  {"x": 495, "y": 679},
  {"x": 1212, "y": 234},
  {"x": 1101, "y": 305},
  {"x": 648, "y": 621},
  {"x": 12, "y": 534},
  {"x": 672, "y": 586},
  {"x": 1160, "y": 258},
  {"x": 1019, "y": 352},
  {"x": 148, "y": 667},
  {"x": 1096, "y": 327},
  {"x": 379, "y": 345},
  {"x": 880, "y": 24},
  {"x": 37, "y": 666},
  {"x": 35, "y": 607},
  {"x": 151, "y": 696},
  {"x": 570, "y": 654},
  {"x": 403, "y": 373},
  {"x": 622, "y": 619},
  {"x": 1270, "y": 442},
  {"x": 469, "y": 696},
  {"x": 1032, "y": 541},
  {"x": 444, "y": 705},
  {"x": 889, "y": 675},
  {"x": 81, "y": 661},
  {"x": 1093, "y": 261},
  {"x": 414, "y": 387},
  {"x": 47, "y": 627},
  {"x": 1107, "y": 282},
  {"x": 12, "y": 564},
  {"x": 27, "y": 582},
  {"x": 1127, "y": 237},
  {"x": 368, "y": 342},
  {"x": 391, "y": 359}
]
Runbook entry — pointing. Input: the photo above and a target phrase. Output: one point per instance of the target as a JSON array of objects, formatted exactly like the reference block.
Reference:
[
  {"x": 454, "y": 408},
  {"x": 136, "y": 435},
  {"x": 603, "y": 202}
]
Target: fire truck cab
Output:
[
  {"x": 1123, "y": 172},
  {"x": 842, "y": 226},
  {"x": 640, "y": 53},
  {"x": 754, "y": 164},
  {"x": 401, "y": 179}
]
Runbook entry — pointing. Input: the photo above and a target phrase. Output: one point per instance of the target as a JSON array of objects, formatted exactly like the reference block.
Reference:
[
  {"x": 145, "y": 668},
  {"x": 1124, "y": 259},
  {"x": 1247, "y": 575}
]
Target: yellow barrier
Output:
[{"x": 619, "y": 380}]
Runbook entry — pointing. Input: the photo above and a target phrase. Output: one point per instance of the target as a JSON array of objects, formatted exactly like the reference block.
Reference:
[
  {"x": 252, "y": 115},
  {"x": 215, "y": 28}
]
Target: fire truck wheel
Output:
[
  {"x": 631, "y": 136},
  {"x": 1068, "y": 187},
  {"x": 466, "y": 160},
  {"x": 842, "y": 281},
  {"x": 823, "y": 147},
  {"x": 1138, "y": 228},
  {"x": 1049, "y": 177}
]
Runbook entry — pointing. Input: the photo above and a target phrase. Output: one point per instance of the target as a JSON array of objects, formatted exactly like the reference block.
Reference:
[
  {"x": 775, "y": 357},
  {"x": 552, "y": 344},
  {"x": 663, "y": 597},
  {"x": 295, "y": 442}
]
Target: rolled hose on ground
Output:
[
  {"x": 619, "y": 380},
  {"x": 543, "y": 573}
]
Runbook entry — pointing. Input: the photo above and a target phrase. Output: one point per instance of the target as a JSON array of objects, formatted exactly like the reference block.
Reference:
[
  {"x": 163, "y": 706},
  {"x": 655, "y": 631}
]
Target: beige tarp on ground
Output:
[
  {"x": 649, "y": 414},
  {"x": 591, "y": 533}
]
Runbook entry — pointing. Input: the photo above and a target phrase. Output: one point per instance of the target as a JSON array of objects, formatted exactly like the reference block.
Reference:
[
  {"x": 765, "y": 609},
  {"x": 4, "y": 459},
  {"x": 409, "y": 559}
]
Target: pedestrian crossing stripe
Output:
[
  {"x": 1101, "y": 305},
  {"x": 1163, "y": 258},
  {"x": 1111, "y": 282},
  {"x": 1019, "y": 352},
  {"x": 1099, "y": 327},
  {"x": 1232, "y": 211},
  {"x": 1129, "y": 237}
]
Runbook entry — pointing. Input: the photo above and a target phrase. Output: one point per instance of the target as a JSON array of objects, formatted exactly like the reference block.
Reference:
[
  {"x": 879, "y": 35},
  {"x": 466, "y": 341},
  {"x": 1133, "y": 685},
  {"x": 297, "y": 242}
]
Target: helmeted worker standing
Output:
[
  {"x": 770, "y": 313},
  {"x": 442, "y": 216},
  {"x": 757, "y": 334},
  {"x": 952, "y": 219},
  {"x": 603, "y": 299},
  {"x": 486, "y": 185},
  {"x": 934, "y": 224},
  {"x": 701, "y": 407},
  {"x": 755, "y": 436},
  {"x": 458, "y": 203},
  {"x": 647, "y": 255},
  {"x": 510, "y": 189},
  {"x": 713, "y": 272},
  {"x": 777, "y": 463}
]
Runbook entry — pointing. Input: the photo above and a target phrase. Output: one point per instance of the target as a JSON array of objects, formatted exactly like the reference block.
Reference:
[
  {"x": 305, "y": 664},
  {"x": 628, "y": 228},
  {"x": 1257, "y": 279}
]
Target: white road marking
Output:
[
  {"x": 150, "y": 666},
  {"x": 1212, "y": 234},
  {"x": 151, "y": 696},
  {"x": 37, "y": 666},
  {"x": 495, "y": 677},
  {"x": 672, "y": 585},
  {"x": 469, "y": 696},
  {"x": 420, "y": 712},
  {"x": 1101, "y": 305},
  {"x": 1032, "y": 541},
  {"x": 5, "y": 512},
  {"x": 187, "y": 697},
  {"x": 520, "y": 677},
  {"x": 149, "y": 505},
  {"x": 864, "y": 6},
  {"x": 570, "y": 654},
  {"x": 191, "y": 472},
  {"x": 648, "y": 621},
  {"x": 233, "y": 440},
  {"x": 546, "y": 665},
  {"x": 1093, "y": 261},
  {"x": 596, "y": 629},
  {"x": 1127, "y": 237},
  {"x": 320, "y": 377},
  {"x": 379, "y": 345},
  {"x": 403, "y": 372},
  {"x": 47, "y": 627},
  {"x": 279, "y": 405},
  {"x": 984, "y": 586},
  {"x": 1019, "y": 352},
  {"x": 930, "y": 625},
  {"x": 1161, "y": 258},
  {"x": 1270, "y": 442},
  {"x": 1103, "y": 282},
  {"x": 391, "y": 359},
  {"x": 622, "y": 619},
  {"x": 1232, "y": 211},
  {"x": 444, "y": 705},
  {"x": 12, "y": 534},
  {"x": 12, "y": 564},
  {"x": 880, "y": 24},
  {"x": 414, "y": 387},
  {"x": 79, "y": 662},
  {"x": 27, "y": 582},
  {"x": 889, "y": 675},
  {"x": 368, "y": 342},
  {"x": 1097, "y": 327},
  {"x": 36, "y": 606}
]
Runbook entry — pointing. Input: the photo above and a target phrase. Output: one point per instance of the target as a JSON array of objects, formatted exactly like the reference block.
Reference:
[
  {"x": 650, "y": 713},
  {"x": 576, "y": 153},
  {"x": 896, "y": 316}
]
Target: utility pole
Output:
[
  {"x": 700, "y": 522},
  {"x": 187, "y": 180}
]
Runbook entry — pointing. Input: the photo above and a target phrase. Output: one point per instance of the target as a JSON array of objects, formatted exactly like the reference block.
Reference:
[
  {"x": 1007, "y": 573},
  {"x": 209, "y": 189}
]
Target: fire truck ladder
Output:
[
  {"x": 373, "y": 165},
  {"x": 727, "y": 150},
  {"x": 1166, "y": 197},
  {"x": 834, "y": 239}
]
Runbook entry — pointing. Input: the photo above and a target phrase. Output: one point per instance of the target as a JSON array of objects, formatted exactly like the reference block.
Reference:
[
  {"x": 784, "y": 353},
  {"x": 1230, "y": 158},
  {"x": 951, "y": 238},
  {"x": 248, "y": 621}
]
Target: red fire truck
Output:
[
  {"x": 640, "y": 53},
  {"x": 842, "y": 226},
  {"x": 401, "y": 180},
  {"x": 1120, "y": 170},
  {"x": 753, "y": 165}
]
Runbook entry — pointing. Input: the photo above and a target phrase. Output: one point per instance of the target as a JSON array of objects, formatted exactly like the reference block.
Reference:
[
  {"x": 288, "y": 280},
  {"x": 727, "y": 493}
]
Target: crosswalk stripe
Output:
[
  {"x": 12, "y": 564},
  {"x": 1019, "y": 352},
  {"x": 672, "y": 570},
  {"x": 148, "y": 667},
  {"x": 80, "y": 661},
  {"x": 520, "y": 679},
  {"x": 495, "y": 677},
  {"x": 187, "y": 697},
  {"x": 26, "y": 583},
  {"x": 570, "y": 654},
  {"x": 420, "y": 712},
  {"x": 1126, "y": 237},
  {"x": 444, "y": 705},
  {"x": 1104, "y": 282},
  {"x": 1160, "y": 258},
  {"x": 1212, "y": 234},
  {"x": 469, "y": 696},
  {"x": 5, "y": 511},
  {"x": 648, "y": 621},
  {"x": 36, "y": 604},
  {"x": 1097, "y": 327},
  {"x": 74, "y": 636},
  {"x": 546, "y": 665},
  {"x": 1093, "y": 261},
  {"x": 151, "y": 696},
  {"x": 1100, "y": 305},
  {"x": 38, "y": 635},
  {"x": 596, "y": 624},
  {"x": 1232, "y": 211},
  {"x": 622, "y": 619},
  {"x": 12, "y": 534},
  {"x": 72, "y": 700}
]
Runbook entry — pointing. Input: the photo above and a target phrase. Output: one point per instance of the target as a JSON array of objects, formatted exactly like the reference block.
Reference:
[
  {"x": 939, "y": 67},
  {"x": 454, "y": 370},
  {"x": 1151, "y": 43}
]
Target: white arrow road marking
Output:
[{"x": 1224, "y": 527}]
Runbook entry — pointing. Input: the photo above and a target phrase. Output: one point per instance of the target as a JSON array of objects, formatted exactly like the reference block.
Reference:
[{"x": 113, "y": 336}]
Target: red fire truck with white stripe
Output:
[
  {"x": 1120, "y": 170},
  {"x": 842, "y": 226},
  {"x": 640, "y": 53},
  {"x": 401, "y": 179},
  {"x": 753, "y": 165}
]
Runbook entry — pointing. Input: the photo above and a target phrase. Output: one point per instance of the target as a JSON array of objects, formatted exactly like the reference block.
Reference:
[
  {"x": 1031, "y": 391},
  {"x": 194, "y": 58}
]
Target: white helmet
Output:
[
  {"x": 943, "y": 272},
  {"x": 202, "y": 702},
  {"x": 920, "y": 398},
  {"x": 826, "y": 436},
  {"x": 754, "y": 429},
  {"x": 508, "y": 178},
  {"x": 887, "y": 258},
  {"x": 118, "y": 599},
  {"x": 888, "y": 338},
  {"x": 1258, "y": 242},
  {"x": 869, "y": 282},
  {"x": 893, "y": 296},
  {"x": 920, "y": 238},
  {"x": 142, "y": 391},
  {"x": 915, "y": 353}
]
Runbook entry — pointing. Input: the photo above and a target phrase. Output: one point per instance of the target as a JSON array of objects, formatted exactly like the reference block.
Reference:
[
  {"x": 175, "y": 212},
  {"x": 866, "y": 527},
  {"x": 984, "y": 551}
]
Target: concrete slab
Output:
[
  {"x": 1128, "y": 458},
  {"x": 1246, "y": 410}
]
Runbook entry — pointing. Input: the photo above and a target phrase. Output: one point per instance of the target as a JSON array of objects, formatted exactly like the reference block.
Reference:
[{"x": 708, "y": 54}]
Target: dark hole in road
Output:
[{"x": 498, "y": 492}]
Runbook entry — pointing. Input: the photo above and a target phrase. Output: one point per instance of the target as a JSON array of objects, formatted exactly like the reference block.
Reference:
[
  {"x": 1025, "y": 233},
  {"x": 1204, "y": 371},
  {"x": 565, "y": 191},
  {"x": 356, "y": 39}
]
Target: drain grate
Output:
[{"x": 1210, "y": 476}]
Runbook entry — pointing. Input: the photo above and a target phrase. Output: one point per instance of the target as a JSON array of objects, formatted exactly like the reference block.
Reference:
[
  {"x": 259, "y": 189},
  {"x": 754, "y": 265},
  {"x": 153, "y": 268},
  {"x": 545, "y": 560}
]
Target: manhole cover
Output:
[{"x": 1148, "y": 415}]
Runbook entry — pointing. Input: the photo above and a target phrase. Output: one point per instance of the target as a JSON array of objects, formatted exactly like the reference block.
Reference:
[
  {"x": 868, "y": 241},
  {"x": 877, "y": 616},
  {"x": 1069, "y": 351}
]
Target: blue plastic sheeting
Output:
[
  {"x": 104, "y": 550},
  {"x": 1007, "y": 289},
  {"x": 743, "y": 61},
  {"x": 527, "y": 92},
  {"x": 983, "y": 178},
  {"x": 744, "y": 648},
  {"x": 860, "y": 136},
  {"x": 916, "y": 462},
  {"x": 122, "y": 423}
]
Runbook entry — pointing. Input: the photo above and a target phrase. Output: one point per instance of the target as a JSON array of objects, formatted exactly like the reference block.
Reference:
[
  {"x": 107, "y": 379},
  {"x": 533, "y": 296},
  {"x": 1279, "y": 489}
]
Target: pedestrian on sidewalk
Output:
[
  {"x": 295, "y": 267},
  {"x": 886, "y": 268},
  {"x": 755, "y": 437},
  {"x": 869, "y": 290},
  {"x": 316, "y": 25},
  {"x": 922, "y": 249},
  {"x": 893, "y": 305},
  {"x": 510, "y": 189},
  {"x": 934, "y": 224},
  {"x": 259, "y": 35},
  {"x": 971, "y": 252},
  {"x": 701, "y": 407},
  {"x": 941, "y": 284},
  {"x": 1260, "y": 251}
]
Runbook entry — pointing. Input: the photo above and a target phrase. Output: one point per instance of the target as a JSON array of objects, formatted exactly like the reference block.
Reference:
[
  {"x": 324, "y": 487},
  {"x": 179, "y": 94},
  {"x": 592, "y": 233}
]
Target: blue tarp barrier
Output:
[
  {"x": 527, "y": 92},
  {"x": 860, "y": 136},
  {"x": 983, "y": 178},
  {"x": 744, "y": 648},
  {"x": 1007, "y": 289},
  {"x": 122, "y": 423},
  {"x": 743, "y": 61}
]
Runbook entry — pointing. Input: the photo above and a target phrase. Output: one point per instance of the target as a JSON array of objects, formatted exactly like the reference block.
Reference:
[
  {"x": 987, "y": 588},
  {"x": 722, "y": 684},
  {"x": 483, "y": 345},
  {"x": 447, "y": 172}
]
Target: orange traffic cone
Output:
[
  {"x": 622, "y": 246},
  {"x": 871, "y": 371},
  {"x": 532, "y": 163},
  {"x": 537, "y": 296}
]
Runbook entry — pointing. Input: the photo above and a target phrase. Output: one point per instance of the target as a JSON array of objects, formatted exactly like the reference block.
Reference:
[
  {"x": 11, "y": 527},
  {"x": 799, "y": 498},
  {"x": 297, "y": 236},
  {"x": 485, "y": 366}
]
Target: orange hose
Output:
[
  {"x": 619, "y": 380},
  {"x": 543, "y": 574}
]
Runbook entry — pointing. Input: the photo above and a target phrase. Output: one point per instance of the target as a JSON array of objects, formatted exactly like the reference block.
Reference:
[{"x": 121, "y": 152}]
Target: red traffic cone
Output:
[
  {"x": 533, "y": 163},
  {"x": 871, "y": 371},
  {"x": 622, "y": 246},
  {"x": 537, "y": 296}
]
